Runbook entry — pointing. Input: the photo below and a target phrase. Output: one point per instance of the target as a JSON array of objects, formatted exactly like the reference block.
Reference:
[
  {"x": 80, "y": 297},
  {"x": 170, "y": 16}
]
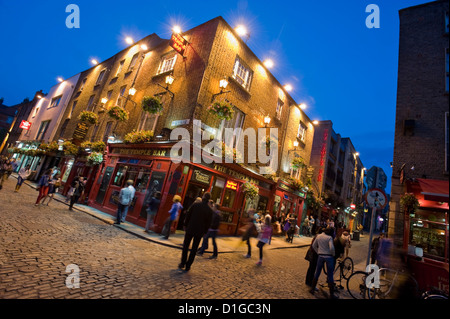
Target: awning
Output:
[{"x": 434, "y": 190}]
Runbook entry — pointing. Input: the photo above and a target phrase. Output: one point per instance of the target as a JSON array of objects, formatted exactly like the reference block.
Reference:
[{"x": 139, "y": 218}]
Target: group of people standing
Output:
[
  {"x": 326, "y": 248},
  {"x": 7, "y": 166},
  {"x": 48, "y": 185}
]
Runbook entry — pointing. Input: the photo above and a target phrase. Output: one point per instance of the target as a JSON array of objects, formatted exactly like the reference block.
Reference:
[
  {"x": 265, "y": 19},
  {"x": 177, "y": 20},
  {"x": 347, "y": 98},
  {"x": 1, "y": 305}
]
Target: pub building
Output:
[{"x": 150, "y": 167}]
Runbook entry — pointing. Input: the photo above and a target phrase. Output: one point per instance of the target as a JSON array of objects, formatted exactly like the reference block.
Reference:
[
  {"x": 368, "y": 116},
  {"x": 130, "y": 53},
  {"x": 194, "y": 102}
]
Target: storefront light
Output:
[{"x": 132, "y": 91}]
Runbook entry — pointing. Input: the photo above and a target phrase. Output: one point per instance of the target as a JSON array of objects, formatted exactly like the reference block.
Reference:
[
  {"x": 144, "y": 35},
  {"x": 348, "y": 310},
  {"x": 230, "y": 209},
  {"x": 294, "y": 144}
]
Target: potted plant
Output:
[
  {"x": 297, "y": 163},
  {"x": 70, "y": 149},
  {"x": 95, "y": 158},
  {"x": 88, "y": 117},
  {"x": 118, "y": 113},
  {"x": 250, "y": 190},
  {"x": 221, "y": 110},
  {"x": 409, "y": 202},
  {"x": 152, "y": 105},
  {"x": 138, "y": 137}
]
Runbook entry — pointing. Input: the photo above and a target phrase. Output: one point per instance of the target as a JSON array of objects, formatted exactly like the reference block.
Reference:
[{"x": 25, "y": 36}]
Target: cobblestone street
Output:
[{"x": 38, "y": 243}]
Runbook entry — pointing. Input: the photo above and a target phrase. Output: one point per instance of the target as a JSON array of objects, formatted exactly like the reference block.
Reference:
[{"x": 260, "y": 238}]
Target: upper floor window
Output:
[
  {"x": 90, "y": 103},
  {"x": 167, "y": 63},
  {"x": 242, "y": 74},
  {"x": 447, "y": 137},
  {"x": 446, "y": 69},
  {"x": 133, "y": 61},
  {"x": 279, "y": 108},
  {"x": 120, "y": 98},
  {"x": 301, "y": 133},
  {"x": 55, "y": 101},
  {"x": 119, "y": 69},
  {"x": 42, "y": 130},
  {"x": 446, "y": 22},
  {"x": 100, "y": 77},
  {"x": 82, "y": 84}
]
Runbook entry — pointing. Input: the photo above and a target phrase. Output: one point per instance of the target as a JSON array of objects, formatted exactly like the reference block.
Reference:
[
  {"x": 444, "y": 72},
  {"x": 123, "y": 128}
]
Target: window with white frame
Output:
[
  {"x": 119, "y": 69},
  {"x": 55, "y": 101},
  {"x": 279, "y": 109},
  {"x": 167, "y": 63},
  {"x": 133, "y": 61},
  {"x": 100, "y": 77},
  {"x": 242, "y": 74},
  {"x": 120, "y": 98},
  {"x": 237, "y": 122},
  {"x": 301, "y": 133}
]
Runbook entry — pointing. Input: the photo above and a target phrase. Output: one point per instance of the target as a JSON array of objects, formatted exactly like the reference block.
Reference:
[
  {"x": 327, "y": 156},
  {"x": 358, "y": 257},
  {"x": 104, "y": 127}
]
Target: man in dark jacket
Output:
[
  {"x": 197, "y": 221},
  {"x": 212, "y": 231}
]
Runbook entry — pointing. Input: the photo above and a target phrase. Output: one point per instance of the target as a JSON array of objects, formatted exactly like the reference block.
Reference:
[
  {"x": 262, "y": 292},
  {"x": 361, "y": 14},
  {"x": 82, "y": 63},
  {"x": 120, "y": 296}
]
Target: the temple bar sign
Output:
[{"x": 178, "y": 43}]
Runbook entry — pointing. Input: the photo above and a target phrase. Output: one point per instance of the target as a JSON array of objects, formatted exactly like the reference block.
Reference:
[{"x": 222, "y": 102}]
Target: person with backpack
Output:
[
  {"x": 152, "y": 209},
  {"x": 77, "y": 190}
]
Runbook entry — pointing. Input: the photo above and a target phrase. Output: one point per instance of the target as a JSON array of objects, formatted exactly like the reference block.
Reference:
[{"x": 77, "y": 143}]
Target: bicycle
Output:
[
  {"x": 345, "y": 268},
  {"x": 356, "y": 285}
]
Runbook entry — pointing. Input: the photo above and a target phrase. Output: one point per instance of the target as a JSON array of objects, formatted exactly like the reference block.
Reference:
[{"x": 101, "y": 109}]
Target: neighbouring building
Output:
[
  {"x": 7, "y": 117},
  {"x": 338, "y": 174},
  {"x": 421, "y": 148}
]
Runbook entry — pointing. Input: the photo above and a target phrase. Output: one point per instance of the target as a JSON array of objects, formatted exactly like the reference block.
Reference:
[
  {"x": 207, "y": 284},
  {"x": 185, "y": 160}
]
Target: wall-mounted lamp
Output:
[
  {"x": 132, "y": 91},
  {"x": 169, "y": 81},
  {"x": 267, "y": 120},
  {"x": 104, "y": 100},
  {"x": 222, "y": 85}
]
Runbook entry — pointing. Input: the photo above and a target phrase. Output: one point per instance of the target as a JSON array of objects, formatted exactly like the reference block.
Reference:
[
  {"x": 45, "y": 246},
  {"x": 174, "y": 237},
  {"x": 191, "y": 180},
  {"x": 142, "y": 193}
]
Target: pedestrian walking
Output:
[
  {"x": 346, "y": 240},
  {"x": 14, "y": 165},
  {"x": 324, "y": 247},
  {"x": 173, "y": 215},
  {"x": 77, "y": 190},
  {"x": 264, "y": 237},
  {"x": 375, "y": 247},
  {"x": 126, "y": 196},
  {"x": 198, "y": 219},
  {"x": 8, "y": 168},
  {"x": 212, "y": 232},
  {"x": 311, "y": 256},
  {"x": 2, "y": 170},
  {"x": 152, "y": 209},
  {"x": 55, "y": 184},
  {"x": 43, "y": 186},
  {"x": 249, "y": 231},
  {"x": 132, "y": 191},
  {"x": 23, "y": 174}
]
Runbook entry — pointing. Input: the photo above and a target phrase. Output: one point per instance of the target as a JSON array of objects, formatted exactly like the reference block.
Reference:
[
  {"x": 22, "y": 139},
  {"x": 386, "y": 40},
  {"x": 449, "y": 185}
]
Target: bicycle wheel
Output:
[
  {"x": 347, "y": 267},
  {"x": 356, "y": 285}
]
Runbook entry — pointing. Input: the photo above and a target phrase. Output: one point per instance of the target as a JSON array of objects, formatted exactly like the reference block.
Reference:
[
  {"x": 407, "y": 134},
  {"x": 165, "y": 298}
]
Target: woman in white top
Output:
[{"x": 24, "y": 172}]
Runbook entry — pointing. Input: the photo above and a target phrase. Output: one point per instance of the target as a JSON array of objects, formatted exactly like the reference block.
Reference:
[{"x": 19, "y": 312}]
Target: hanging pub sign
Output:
[
  {"x": 80, "y": 131},
  {"x": 178, "y": 43},
  {"x": 25, "y": 125}
]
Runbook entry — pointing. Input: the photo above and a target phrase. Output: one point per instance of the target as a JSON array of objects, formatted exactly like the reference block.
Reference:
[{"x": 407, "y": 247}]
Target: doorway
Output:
[{"x": 193, "y": 191}]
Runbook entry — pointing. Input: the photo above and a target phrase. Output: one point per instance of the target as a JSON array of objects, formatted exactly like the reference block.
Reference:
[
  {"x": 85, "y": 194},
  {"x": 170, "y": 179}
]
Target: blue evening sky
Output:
[{"x": 343, "y": 71}]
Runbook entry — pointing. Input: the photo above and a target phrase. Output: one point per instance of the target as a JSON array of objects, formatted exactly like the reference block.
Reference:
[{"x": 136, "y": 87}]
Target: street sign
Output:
[
  {"x": 178, "y": 43},
  {"x": 375, "y": 197},
  {"x": 25, "y": 125}
]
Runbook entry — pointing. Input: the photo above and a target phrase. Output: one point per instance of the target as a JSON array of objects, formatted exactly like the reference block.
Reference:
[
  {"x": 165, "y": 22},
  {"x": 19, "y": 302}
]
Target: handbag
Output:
[
  {"x": 310, "y": 254},
  {"x": 71, "y": 191}
]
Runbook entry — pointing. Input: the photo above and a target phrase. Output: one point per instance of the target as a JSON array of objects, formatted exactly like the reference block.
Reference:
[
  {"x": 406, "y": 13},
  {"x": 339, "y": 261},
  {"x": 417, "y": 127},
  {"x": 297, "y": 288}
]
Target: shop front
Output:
[
  {"x": 151, "y": 169},
  {"x": 426, "y": 234},
  {"x": 287, "y": 200}
]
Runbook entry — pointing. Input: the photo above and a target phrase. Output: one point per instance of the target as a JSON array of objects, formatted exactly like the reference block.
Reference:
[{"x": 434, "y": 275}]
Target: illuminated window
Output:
[
  {"x": 242, "y": 74},
  {"x": 100, "y": 77},
  {"x": 167, "y": 63},
  {"x": 119, "y": 69},
  {"x": 120, "y": 98},
  {"x": 280, "y": 105},
  {"x": 133, "y": 61},
  {"x": 301, "y": 133}
]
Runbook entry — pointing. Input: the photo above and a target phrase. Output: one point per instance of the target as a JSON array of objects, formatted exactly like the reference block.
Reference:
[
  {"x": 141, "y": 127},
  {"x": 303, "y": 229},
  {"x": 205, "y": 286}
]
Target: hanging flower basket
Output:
[
  {"x": 95, "y": 158},
  {"x": 296, "y": 184},
  {"x": 152, "y": 105},
  {"x": 70, "y": 149},
  {"x": 222, "y": 111},
  {"x": 94, "y": 146},
  {"x": 138, "y": 137},
  {"x": 297, "y": 163},
  {"x": 88, "y": 117},
  {"x": 409, "y": 202},
  {"x": 118, "y": 113},
  {"x": 250, "y": 190}
]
